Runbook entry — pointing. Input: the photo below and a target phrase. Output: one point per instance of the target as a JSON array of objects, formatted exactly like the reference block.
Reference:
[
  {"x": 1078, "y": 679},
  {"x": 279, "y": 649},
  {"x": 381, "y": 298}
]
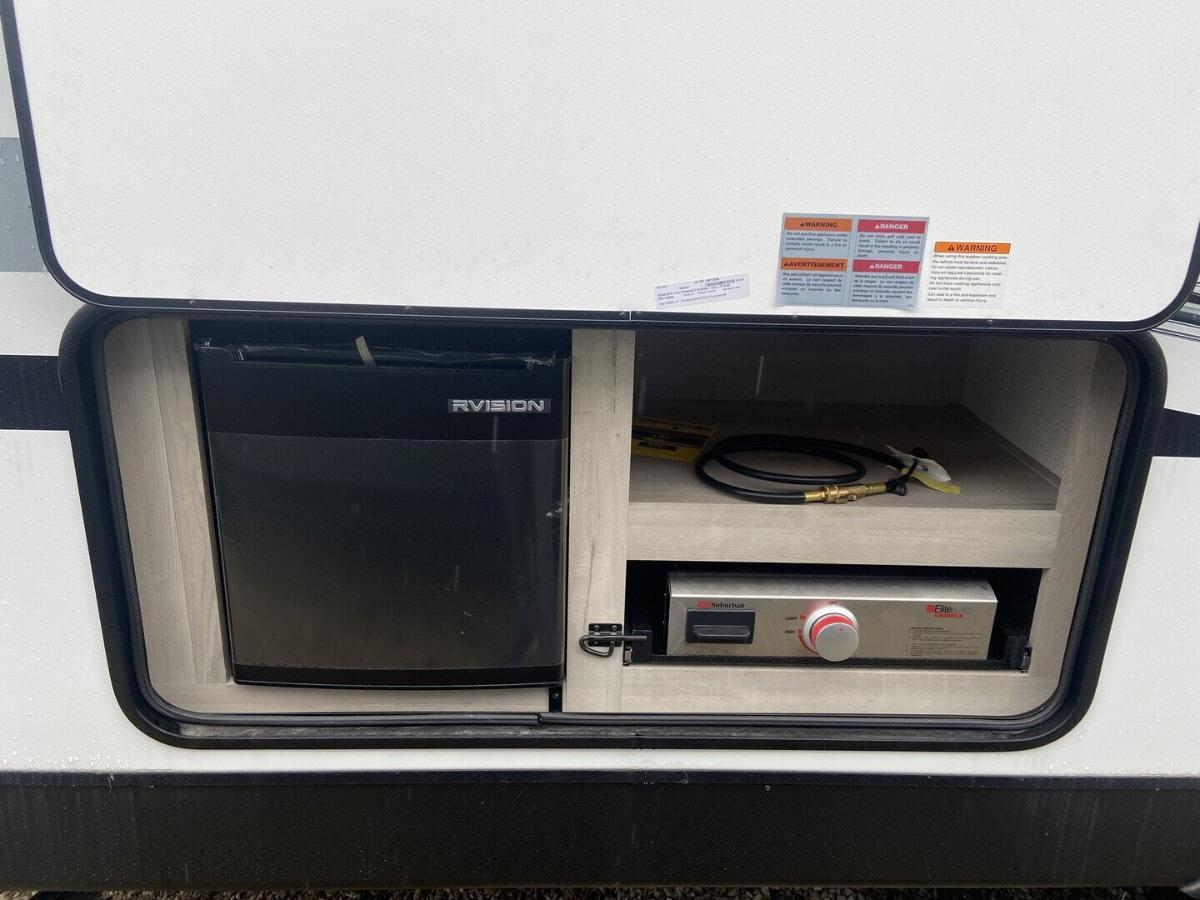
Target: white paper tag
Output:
[
  {"x": 701, "y": 290},
  {"x": 364, "y": 352},
  {"x": 930, "y": 467}
]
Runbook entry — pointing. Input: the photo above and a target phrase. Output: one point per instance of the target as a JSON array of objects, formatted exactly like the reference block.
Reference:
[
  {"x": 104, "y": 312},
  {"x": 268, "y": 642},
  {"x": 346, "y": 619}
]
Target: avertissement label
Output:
[
  {"x": 967, "y": 273},
  {"x": 850, "y": 260}
]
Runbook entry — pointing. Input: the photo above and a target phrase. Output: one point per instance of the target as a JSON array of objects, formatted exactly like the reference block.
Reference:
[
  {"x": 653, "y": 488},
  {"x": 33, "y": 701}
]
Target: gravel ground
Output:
[{"x": 698, "y": 893}]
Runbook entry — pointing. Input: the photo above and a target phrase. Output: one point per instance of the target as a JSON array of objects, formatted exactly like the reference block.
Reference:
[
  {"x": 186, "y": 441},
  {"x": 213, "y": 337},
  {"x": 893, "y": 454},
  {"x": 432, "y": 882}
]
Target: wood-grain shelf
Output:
[{"x": 1006, "y": 515}]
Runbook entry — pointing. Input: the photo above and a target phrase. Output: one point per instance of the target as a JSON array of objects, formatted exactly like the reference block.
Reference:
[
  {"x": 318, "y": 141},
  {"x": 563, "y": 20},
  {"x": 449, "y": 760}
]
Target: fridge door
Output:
[{"x": 369, "y": 535}]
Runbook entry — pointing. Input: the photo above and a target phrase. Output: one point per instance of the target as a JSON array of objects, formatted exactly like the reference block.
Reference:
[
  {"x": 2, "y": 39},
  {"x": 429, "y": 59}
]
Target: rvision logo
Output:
[{"x": 499, "y": 406}]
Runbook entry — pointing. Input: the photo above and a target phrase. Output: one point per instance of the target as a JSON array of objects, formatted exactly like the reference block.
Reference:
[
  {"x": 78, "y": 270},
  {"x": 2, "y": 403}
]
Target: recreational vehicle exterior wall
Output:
[{"x": 1059, "y": 391}]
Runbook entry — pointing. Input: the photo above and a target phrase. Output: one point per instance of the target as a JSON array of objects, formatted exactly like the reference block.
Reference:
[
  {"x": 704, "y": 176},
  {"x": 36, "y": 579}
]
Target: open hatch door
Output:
[{"x": 915, "y": 164}]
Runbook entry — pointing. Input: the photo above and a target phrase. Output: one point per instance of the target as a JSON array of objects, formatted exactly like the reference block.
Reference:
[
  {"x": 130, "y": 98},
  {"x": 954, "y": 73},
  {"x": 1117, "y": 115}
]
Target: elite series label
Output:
[{"x": 850, "y": 260}]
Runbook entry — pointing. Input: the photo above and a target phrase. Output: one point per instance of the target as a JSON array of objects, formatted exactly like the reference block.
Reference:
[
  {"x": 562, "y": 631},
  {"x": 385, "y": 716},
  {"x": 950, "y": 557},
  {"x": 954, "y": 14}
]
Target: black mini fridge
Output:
[{"x": 388, "y": 517}]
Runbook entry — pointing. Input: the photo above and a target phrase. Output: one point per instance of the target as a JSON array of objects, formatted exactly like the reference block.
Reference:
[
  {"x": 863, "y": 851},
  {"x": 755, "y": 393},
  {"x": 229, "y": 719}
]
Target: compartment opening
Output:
[{"x": 1023, "y": 426}]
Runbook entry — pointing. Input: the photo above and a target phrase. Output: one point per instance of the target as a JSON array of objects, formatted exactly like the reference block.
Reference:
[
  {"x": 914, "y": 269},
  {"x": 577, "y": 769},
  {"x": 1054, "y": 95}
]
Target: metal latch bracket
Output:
[{"x": 603, "y": 638}]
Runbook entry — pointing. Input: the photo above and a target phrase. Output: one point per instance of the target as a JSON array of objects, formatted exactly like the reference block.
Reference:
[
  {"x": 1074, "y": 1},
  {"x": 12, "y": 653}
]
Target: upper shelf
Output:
[{"x": 1005, "y": 515}]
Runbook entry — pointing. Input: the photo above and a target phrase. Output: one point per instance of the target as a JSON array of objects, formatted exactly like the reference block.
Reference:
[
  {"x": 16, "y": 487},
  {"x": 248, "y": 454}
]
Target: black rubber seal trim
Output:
[
  {"x": 71, "y": 830},
  {"x": 29, "y": 395},
  {"x": 609, "y": 319},
  {"x": 81, "y": 368},
  {"x": 1180, "y": 434}
]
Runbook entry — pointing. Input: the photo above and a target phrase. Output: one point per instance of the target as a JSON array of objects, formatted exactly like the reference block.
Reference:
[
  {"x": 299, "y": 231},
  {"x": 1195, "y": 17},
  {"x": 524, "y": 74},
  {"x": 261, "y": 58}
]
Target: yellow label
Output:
[
  {"x": 667, "y": 439},
  {"x": 946, "y": 487}
]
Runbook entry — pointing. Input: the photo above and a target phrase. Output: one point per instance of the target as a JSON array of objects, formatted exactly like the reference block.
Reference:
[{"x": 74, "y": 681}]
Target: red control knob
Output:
[{"x": 831, "y": 632}]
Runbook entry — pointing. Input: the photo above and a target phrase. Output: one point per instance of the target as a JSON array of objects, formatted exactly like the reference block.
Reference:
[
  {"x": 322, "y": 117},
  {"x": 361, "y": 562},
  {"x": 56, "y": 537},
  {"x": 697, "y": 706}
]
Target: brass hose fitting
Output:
[{"x": 844, "y": 493}]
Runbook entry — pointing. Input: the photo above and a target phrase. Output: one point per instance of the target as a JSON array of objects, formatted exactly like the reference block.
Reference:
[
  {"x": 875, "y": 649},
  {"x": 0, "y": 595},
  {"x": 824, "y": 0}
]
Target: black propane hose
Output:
[{"x": 836, "y": 488}]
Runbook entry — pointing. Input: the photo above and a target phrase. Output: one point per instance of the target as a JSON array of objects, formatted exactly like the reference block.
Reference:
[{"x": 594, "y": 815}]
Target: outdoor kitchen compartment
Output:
[{"x": 372, "y": 531}]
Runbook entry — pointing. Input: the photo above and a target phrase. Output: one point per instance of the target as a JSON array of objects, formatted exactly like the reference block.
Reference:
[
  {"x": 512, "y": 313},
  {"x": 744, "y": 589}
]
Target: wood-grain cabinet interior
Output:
[{"x": 1024, "y": 426}]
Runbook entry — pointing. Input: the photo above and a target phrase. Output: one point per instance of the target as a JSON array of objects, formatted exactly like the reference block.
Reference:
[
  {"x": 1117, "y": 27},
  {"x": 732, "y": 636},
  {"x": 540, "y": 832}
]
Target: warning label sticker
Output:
[
  {"x": 945, "y": 643},
  {"x": 850, "y": 260},
  {"x": 967, "y": 273}
]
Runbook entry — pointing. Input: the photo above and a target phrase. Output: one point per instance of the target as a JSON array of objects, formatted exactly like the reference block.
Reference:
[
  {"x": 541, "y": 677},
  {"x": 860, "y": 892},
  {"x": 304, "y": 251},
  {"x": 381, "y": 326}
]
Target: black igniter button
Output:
[{"x": 719, "y": 626}]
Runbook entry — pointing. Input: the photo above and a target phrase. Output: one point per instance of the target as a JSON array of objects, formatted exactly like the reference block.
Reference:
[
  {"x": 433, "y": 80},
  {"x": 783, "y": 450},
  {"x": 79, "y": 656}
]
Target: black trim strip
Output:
[
  {"x": 81, "y": 372},
  {"x": 1179, "y": 434},
  {"x": 8, "y": 20},
  {"x": 1189, "y": 315},
  {"x": 311, "y": 830},
  {"x": 527, "y": 676},
  {"x": 142, "y": 778},
  {"x": 29, "y": 394}
]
